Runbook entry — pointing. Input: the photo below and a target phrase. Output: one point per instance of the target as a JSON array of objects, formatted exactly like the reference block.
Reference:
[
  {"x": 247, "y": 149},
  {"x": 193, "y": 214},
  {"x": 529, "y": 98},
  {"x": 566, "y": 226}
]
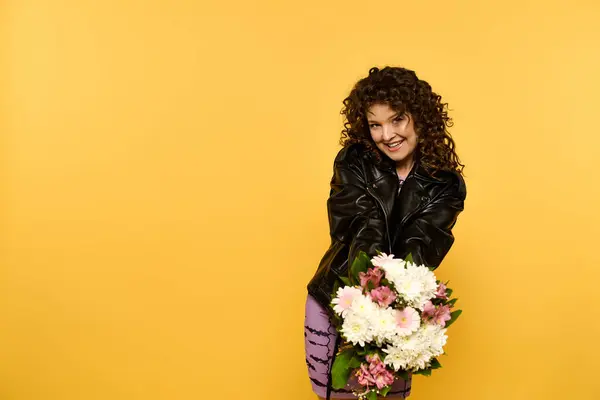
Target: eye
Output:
[
  {"x": 373, "y": 126},
  {"x": 399, "y": 118}
]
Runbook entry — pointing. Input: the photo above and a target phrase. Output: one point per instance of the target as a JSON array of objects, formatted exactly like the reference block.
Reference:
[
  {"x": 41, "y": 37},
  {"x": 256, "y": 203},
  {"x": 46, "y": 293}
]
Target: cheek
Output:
[
  {"x": 375, "y": 136},
  {"x": 414, "y": 137}
]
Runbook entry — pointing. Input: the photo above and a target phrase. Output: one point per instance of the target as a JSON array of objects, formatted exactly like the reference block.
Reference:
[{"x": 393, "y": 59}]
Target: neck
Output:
[{"x": 403, "y": 168}]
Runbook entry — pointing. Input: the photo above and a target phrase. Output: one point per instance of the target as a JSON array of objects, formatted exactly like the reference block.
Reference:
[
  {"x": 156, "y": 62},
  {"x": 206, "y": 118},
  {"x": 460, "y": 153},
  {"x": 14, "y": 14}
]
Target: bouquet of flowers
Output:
[{"x": 392, "y": 317}]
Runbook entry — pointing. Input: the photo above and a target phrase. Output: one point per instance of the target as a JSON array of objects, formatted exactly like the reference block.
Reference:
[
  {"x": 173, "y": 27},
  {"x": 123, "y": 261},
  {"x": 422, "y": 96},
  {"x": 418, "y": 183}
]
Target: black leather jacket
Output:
[{"x": 366, "y": 214}]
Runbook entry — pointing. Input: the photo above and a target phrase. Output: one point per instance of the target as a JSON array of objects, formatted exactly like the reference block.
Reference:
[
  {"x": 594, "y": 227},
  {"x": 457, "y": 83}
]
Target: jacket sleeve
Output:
[
  {"x": 428, "y": 235},
  {"x": 354, "y": 216}
]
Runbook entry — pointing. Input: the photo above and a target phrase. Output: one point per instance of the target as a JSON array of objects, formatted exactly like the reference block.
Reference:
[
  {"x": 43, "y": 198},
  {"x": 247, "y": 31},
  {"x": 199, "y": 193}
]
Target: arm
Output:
[
  {"x": 428, "y": 235},
  {"x": 354, "y": 217}
]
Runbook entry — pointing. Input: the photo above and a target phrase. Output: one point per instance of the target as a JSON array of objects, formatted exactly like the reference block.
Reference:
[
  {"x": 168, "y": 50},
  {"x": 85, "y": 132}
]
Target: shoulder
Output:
[
  {"x": 351, "y": 155},
  {"x": 349, "y": 165},
  {"x": 454, "y": 183}
]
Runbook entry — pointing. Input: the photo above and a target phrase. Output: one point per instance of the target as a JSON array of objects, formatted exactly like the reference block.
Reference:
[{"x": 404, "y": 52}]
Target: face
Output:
[{"x": 393, "y": 133}]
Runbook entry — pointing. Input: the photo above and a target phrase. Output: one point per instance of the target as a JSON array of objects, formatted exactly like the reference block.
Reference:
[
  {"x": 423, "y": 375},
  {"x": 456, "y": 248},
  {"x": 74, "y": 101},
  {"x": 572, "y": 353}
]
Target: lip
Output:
[{"x": 394, "y": 149}]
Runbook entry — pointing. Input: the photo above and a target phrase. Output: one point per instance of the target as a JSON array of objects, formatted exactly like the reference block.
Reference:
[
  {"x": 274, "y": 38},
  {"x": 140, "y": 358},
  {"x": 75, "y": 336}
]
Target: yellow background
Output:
[{"x": 165, "y": 165}]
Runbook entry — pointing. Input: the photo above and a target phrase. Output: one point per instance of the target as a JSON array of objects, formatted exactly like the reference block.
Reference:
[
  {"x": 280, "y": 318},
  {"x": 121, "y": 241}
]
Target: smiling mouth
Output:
[{"x": 395, "y": 145}]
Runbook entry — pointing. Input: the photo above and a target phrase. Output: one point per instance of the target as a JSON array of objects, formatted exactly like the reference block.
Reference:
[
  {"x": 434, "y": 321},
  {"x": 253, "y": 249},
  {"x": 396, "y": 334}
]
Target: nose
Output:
[{"x": 388, "y": 132}]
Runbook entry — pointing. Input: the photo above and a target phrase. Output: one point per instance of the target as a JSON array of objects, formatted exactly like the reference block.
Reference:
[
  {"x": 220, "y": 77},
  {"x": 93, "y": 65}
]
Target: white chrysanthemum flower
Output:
[
  {"x": 343, "y": 301},
  {"x": 356, "y": 329},
  {"x": 396, "y": 357},
  {"x": 408, "y": 343},
  {"x": 381, "y": 259},
  {"x": 416, "y": 351},
  {"x": 383, "y": 325},
  {"x": 363, "y": 306},
  {"x": 410, "y": 288},
  {"x": 414, "y": 283},
  {"x": 436, "y": 337},
  {"x": 421, "y": 360},
  {"x": 428, "y": 281},
  {"x": 393, "y": 267}
]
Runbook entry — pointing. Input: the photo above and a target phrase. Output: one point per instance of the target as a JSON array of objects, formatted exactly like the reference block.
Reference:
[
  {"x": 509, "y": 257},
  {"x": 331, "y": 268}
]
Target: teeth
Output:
[{"x": 394, "y": 144}]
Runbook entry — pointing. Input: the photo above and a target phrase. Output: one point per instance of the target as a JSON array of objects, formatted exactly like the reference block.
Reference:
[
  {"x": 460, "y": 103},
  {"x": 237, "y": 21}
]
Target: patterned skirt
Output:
[{"x": 319, "y": 344}]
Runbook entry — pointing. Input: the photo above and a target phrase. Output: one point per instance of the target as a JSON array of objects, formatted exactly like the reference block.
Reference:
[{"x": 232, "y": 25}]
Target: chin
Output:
[{"x": 397, "y": 157}]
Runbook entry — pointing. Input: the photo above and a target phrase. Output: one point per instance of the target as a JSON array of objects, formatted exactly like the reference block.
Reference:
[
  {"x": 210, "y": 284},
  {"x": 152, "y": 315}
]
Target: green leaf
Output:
[
  {"x": 437, "y": 301},
  {"x": 435, "y": 364},
  {"x": 345, "y": 280},
  {"x": 426, "y": 372},
  {"x": 383, "y": 392},
  {"x": 340, "y": 371},
  {"x": 361, "y": 352},
  {"x": 372, "y": 395},
  {"x": 354, "y": 362},
  {"x": 453, "y": 316},
  {"x": 448, "y": 292},
  {"x": 360, "y": 264},
  {"x": 403, "y": 375},
  {"x": 336, "y": 286},
  {"x": 409, "y": 258},
  {"x": 336, "y": 320},
  {"x": 451, "y": 302}
]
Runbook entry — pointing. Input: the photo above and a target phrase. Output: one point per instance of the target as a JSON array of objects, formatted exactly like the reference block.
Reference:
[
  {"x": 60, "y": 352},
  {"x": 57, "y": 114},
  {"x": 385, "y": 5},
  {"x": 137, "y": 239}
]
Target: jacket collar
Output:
[
  {"x": 415, "y": 189},
  {"x": 418, "y": 171}
]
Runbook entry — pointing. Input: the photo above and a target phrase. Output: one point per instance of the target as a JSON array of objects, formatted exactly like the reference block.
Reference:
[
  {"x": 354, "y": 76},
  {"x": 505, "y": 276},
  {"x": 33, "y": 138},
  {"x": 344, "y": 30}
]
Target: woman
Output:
[{"x": 397, "y": 187}]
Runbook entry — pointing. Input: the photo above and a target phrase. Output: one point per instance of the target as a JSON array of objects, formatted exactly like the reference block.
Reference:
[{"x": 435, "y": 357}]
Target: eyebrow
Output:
[{"x": 393, "y": 116}]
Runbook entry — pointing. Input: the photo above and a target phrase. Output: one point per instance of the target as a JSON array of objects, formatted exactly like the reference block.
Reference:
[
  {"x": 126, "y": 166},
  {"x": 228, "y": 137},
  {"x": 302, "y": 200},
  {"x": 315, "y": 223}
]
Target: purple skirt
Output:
[{"x": 319, "y": 344}]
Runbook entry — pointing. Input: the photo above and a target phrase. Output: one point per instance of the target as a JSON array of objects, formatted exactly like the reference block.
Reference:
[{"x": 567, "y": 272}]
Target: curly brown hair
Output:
[{"x": 404, "y": 92}]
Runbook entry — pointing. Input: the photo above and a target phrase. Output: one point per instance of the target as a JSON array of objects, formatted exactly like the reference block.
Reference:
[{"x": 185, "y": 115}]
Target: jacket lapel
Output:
[
  {"x": 410, "y": 197},
  {"x": 415, "y": 194}
]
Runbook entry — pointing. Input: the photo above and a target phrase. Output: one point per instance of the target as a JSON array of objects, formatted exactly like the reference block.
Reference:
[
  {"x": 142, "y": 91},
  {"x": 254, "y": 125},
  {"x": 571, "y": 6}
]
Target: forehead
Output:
[{"x": 382, "y": 111}]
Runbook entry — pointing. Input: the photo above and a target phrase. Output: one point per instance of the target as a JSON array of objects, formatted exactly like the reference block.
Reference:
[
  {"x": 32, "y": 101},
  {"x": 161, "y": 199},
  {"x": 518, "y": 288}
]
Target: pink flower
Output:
[
  {"x": 428, "y": 311},
  {"x": 373, "y": 275},
  {"x": 364, "y": 376},
  {"x": 376, "y": 369},
  {"x": 439, "y": 315},
  {"x": 383, "y": 379},
  {"x": 373, "y": 358},
  {"x": 442, "y": 315},
  {"x": 383, "y": 295},
  {"x": 375, "y": 364},
  {"x": 343, "y": 301},
  {"x": 441, "y": 292},
  {"x": 407, "y": 321},
  {"x": 376, "y": 374}
]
